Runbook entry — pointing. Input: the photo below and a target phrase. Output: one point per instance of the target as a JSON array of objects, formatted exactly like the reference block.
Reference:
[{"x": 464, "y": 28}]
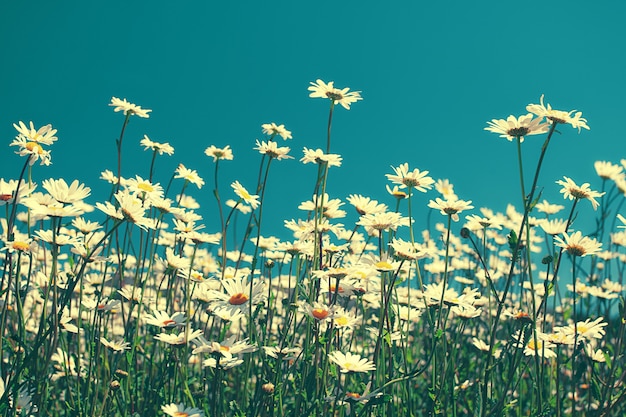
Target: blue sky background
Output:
[{"x": 431, "y": 75}]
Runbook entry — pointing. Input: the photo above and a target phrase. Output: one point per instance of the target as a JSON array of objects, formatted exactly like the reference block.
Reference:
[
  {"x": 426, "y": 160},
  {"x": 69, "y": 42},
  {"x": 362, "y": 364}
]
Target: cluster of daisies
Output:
[{"x": 138, "y": 274}]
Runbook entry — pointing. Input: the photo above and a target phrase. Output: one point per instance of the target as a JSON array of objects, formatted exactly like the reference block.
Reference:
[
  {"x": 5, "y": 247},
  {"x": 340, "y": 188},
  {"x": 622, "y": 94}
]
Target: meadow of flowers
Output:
[{"x": 143, "y": 303}]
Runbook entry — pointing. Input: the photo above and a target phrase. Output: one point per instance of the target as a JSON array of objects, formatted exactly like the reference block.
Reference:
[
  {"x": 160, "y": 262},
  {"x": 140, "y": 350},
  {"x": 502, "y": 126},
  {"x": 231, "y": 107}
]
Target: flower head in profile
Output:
[
  {"x": 272, "y": 150},
  {"x": 349, "y": 362},
  {"x": 161, "y": 148},
  {"x": 128, "y": 108},
  {"x": 514, "y": 127},
  {"x": 219, "y": 153},
  {"x": 345, "y": 97},
  {"x": 450, "y": 207},
  {"x": 412, "y": 179},
  {"x": 43, "y": 136},
  {"x": 578, "y": 245},
  {"x": 271, "y": 129},
  {"x": 608, "y": 170},
  {"x": 318, "y": 156},
  {"x": 245, "y": 196},
  {"x": 574, "y": 192},
  {"x": 558, "y": 116},
  {"x": 64, "y": 193},
  {"x": 190, "y": 175}
]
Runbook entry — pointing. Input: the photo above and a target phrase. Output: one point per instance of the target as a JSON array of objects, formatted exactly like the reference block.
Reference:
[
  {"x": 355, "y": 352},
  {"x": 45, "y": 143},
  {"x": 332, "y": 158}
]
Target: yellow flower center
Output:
[
  {"x": 5, "y": 197},
  {"x": 168, "y": 322},
  {"x": 245, "y": 195},
  {"x": 341, "y": 321},
  {"x": 383, "y": 265},
  {"x": 238, "y": 299},
  {"x": 144, "y": 186},
  {"x": 34, "y": 147},
  {"x": 180, "y": 414},
  {"x": 20, "y": 245}
]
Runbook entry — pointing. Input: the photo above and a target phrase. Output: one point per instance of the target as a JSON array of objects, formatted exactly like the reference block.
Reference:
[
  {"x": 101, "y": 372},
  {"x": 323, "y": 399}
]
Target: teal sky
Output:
[{"x": 431, "y": 75}]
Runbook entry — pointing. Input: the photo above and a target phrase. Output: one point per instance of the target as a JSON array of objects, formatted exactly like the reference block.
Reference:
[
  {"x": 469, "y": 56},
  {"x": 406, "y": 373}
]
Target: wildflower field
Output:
[{"x": 143, "y": 303}]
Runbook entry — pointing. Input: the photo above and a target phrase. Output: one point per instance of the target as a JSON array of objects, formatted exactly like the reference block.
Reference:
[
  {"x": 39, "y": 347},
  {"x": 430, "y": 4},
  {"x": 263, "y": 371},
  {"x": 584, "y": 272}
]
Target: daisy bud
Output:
[
  {"x": 114, "y": 385},
  {"x": 268, "y": 388},
  {"x": 121, "y": 373},
  {"x": 465, "y": 233}
]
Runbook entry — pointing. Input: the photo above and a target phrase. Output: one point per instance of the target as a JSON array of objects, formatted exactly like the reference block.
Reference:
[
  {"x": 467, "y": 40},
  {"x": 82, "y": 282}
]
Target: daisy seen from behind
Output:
[{"x": 345, "y": 97}]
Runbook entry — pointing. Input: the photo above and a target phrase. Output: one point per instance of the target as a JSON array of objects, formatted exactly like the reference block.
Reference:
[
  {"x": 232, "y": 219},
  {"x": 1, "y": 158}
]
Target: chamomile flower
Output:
[
  {"x": 250, "y": 199},
  {"x": 189, "y": 175},
  {"x": 349, "y": 362},
  {"x": 345, "y": 97},
  {"x": 272, "y": 150},
  {"x": 514, "y": 127},
  {"x": 128, "y": 108},
  {"x": 179, "y": 339},
  {"x": 115, "y": 346},
  {"x": 574, "y": 192},
  {"x": 180, "y": 410},
  {"x": 64, "y": 193},
  {"x": 43, "y": 136},
  {"x": 546, "y": 207},
  {"x": 416, "y": 179},
  {"x": 219, "y": 153},
  {"x": 318, "y": 156},
  {"x": 161, "y": 148},
  {"x": 272, "y": 129},
  {"x": 164, "y": 320},
  {"x": 558, "y": 116},
  {"x": 450, "y": 207},
  {"x": 578, "y": 245}
]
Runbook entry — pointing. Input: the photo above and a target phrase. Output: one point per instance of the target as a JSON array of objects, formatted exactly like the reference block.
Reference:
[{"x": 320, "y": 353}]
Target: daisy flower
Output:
[
  {"x": 445, "y": 188},
  {"x": 318, "y": 311},
  {"x": 450, "y": 207},
  {"x": 43, "y": 136},
  {"x": 547, "y": 208},
  {"x": 412, "y": 179},
  {"x": 272, "y": 150},
  {"x": 588, "y": 329},
  {"x": 238, "y": 294},
  {"x": 161, "y": 148},
  {"x": 554, "y": 226},
  {"x": 578, "y": 245},
  {"x": 608, "y": 170},
  {"x": 64, "y": 193},
  {"x": 574, "y": 192},
  {"x": 243, "y": 194},
  {"x": 318, "y": 156},
  {"x": 178, "y": 339},
  {"x": 33, "y": 150},
  {"x": 164, "y": 320},
  {"x": 179, "y": 410},
  {"x": 345, "y": 97},
  {"x": 190, "y": 175},
  {"x": 365, "y": 205},
  {"x": 128, "y": 108},
  {"x": 513, "y": 127},
  {"x": 271, "y": 129},
  {"x": 349, "y": 362},
  {"x": 219, "y": 153},
  {"x": 382, "y": 221},
  {"x": 144, "y": 188},
  {"x": 558, "y": 116},
  {"x": 116, "y": 346},
  {"x": 532, "y": 347}
]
